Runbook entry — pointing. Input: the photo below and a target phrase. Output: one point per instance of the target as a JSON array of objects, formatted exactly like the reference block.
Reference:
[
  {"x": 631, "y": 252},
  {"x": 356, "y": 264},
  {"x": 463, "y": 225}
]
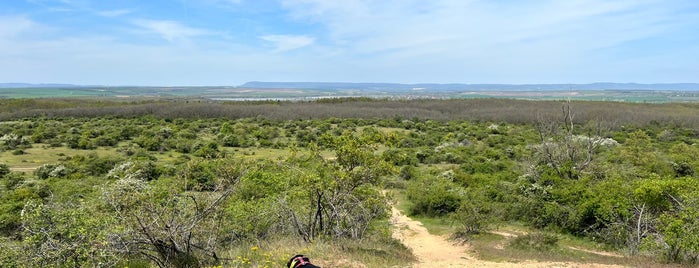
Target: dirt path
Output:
[{"x": 437, "y": 251}]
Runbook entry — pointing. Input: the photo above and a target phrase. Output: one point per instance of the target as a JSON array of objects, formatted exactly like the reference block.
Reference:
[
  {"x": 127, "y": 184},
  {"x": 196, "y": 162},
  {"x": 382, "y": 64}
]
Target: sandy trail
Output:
[{"x": 437, "y": 251}]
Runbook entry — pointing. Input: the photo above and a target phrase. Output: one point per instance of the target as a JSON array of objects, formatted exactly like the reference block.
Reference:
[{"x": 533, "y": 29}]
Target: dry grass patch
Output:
[
  {"x": 41, "y": 154},
  {"x": 347, "y": 254}
]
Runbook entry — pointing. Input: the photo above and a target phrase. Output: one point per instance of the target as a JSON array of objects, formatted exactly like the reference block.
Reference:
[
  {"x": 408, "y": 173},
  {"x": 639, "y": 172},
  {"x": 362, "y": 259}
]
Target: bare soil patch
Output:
[{"x": 437, "y": 251}]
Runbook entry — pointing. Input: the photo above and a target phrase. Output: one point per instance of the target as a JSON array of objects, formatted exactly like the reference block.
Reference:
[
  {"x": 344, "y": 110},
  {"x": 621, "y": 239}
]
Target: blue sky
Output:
[{"x": 229, "y": 42}]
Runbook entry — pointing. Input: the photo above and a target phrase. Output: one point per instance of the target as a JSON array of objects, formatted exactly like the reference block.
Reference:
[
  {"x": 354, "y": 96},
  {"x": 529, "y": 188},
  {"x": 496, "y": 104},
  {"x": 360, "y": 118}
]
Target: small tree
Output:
[
  {"x": 476, "y": 214},
  {"x": 12, "y": 141},
  {"x": 562, "y": 150},
  {"x": 65, "y": 235},
  {"x": 170, "y": 228},
  {"x": 339, "y": 197},
  {"x": 4, "y": 170},
  {"x": 681, "y": 231}
]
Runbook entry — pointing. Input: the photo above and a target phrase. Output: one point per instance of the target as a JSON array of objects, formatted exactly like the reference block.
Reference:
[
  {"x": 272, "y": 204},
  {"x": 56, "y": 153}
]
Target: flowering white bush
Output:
[{"x": 13, "y": 141}]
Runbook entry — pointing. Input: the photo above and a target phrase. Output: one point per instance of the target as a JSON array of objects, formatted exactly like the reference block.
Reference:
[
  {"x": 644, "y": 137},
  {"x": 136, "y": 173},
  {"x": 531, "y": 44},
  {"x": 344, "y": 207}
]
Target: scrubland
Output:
[{"x": 197, "y": 183}]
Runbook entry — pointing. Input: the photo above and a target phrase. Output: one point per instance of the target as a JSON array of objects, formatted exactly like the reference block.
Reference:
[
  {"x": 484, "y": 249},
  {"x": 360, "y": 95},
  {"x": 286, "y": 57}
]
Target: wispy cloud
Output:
[
  {"x": 288, "y": 42},
  {"x": 372, "y": 26},
  {"x": 170, "y": 30},
  {"x": 114, "y": 13},
  {"x": 12, "y": 26},
  {"x": 518, "y": 40},
  {"x": 472, "y": 41},
  {"x": 58, "y": 5}
]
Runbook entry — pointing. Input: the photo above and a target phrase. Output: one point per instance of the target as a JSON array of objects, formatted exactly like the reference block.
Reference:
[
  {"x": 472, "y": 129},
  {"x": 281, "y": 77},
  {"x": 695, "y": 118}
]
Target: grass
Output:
[
  {"x": 372, "y": 253},
  {"x": 41, "y": 154},
  {"x": 276, "y": 252},
  {"x": 494, "y": 246},
  {"x": 435, "y": 226},
  {"x": 271, "y": 153},
  {"x": 236, "y": 93}
]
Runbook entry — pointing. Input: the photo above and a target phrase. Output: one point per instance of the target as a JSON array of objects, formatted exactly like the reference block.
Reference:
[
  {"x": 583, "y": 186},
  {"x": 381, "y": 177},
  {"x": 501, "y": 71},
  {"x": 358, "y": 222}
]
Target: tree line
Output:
[{"x": 498, "y": 110}]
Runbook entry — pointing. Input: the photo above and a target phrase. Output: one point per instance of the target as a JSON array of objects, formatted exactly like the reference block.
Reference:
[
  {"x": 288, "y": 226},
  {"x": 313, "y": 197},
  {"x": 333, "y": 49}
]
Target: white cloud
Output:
[
  {"x": 59, "y": 5},
  {"x": 114, "y": 13},
  {"x": 107, "y": 61},
  {"x": 491, "y": 40},
  {"x": 471, "y": 41},
  {"x": 170, "y": 30},
  {"x": 30, "y": 56},
  {"x": 288, "y": 42},
  {"x": 12, "y": 26},
  {"x": 373, "y": 26}
]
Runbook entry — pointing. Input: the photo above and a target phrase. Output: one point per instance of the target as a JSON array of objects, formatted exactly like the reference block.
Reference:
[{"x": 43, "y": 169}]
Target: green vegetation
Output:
[
  {"x": 187, "y": 183},
  {"x": 300, "y": 92}
]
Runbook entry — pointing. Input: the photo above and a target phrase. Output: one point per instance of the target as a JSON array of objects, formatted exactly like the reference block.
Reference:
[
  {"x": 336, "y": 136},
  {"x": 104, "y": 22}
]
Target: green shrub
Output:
[
  {"x": 4, "y": 170},
  {"x": 254, "y": 219},
  {"x": 198, "y": 176},
  {"x": 406, "y": 172},
  {"x": 93, "y": 164},
  {"x": 209, "y": 150},
  {"x": 537, "y": 241},
  {"x": 13, "y": 180},
  {"x": 475, "y": 215},
  {"x": 9, "y": 253},
  {"x": 51, "y": 171},
  {"x": 434, "y": 196},
  {"x": 67, "y": 234},
  {"x": 138, "y": 170}
]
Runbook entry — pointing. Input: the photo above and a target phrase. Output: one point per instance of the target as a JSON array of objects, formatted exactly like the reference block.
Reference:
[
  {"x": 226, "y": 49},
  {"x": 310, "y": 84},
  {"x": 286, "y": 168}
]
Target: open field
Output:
[{"x": 274, "y": 94}]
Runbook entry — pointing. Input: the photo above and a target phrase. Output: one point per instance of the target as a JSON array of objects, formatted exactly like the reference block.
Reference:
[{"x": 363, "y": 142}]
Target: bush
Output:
[
  {"x": 475, "y": 215},
  {"x": 254, "y": 219},
  {"x": 434, "y": 196},
  {"x": 4, "y": 170},
  {"x": 9, "y": 254},
  {"x": 535, "y": 241},
  {"x": 93, "y": 164},
  {"x": 13, "y": 201},
  {"x": 407, "y": 172},
  {"x": 13, "y": 180},
  {"x": 210, "y": 150},
  {"x": 12, "y": 141},
  {"x": 66, "y": 234},
  {"x": 137, "y": 170},
  {"x": 51, "y": 171},
  {"x": 198, "y": 176}
]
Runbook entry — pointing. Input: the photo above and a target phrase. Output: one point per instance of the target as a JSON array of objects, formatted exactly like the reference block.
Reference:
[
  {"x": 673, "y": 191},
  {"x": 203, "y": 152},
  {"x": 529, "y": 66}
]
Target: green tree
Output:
[
  {"x": 681, "y": 232},
  {"x": 564, "y": 151},
  {"x": 169, "y": 227},
  {"x": 65, "y": 235},
  {"x": 340, "y": 197},
  {"x": 4, "y": 170},
  {"x": 209, "y": 150},
  {"x": 434, "y": 196}
]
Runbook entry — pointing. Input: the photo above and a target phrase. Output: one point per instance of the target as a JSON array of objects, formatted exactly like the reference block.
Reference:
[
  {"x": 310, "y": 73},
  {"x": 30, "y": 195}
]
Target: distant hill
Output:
[
  {"x": 411, "y": 87},
  {"x": 470, "y": 87},
  {"x": 262, "y": 91},
  {"x": 27, "y": 85}
]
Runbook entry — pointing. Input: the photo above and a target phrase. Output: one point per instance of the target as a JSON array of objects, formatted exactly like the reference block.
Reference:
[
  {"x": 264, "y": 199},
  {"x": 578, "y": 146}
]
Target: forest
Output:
[{"x": 91, "y": 182}]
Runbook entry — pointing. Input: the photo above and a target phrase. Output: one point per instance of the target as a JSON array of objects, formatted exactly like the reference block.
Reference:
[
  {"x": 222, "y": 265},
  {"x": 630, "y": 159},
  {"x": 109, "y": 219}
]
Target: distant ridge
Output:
[
  {"x": 27, "y": 85},
  {"x": 471, "y": 87},
  {"x": 396, "y": 87}
]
